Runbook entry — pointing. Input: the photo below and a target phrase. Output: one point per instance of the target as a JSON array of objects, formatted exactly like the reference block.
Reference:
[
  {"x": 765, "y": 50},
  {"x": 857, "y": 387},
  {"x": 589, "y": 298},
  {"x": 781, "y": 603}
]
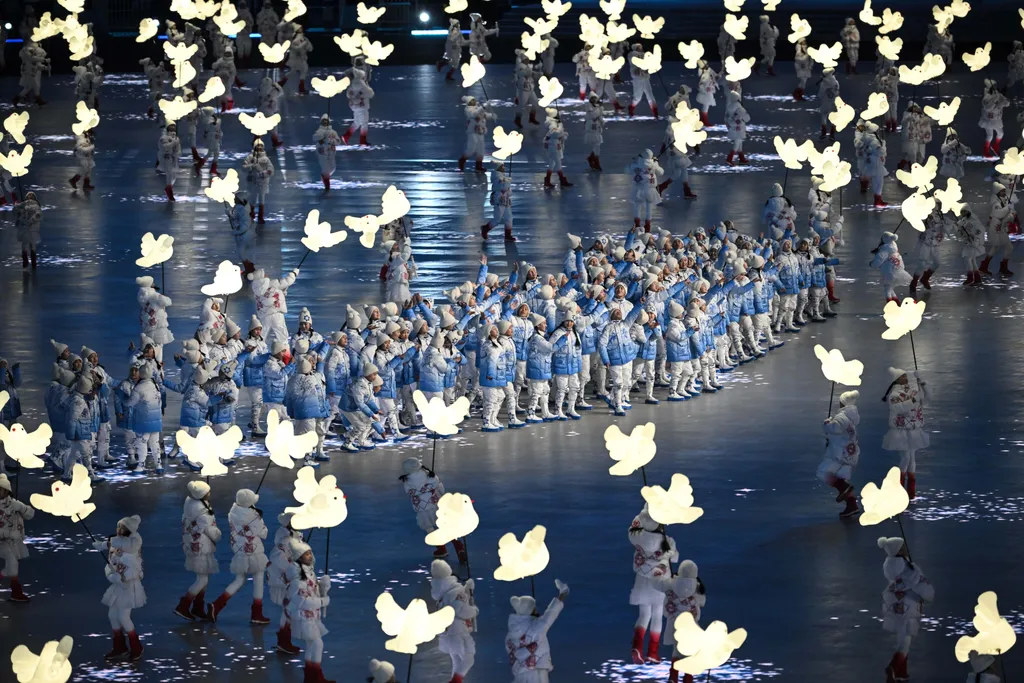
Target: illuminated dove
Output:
[
  {"x": 555, "y": 8},
  {"x": 674, "y": 506},
  {"x": 704, "y": 650},
  {"x": 15, "y": 125},
  {"x": 456, "y": 518},
  {"x": 647, "y": 26},
  {"x": 323, "y": 503},
  {"x": 691, "y": 52},
  {"x": 375, "y": 52},
  {"x": 826, "y": 56},
  {"x": 296, "y": 8},
  {"x": 17, "y": 163},
  {"x": 223, "y": 189},
  {"x": 919, "y": 177},
  {"x": 68, "y": 500},
  {"x": 916, "y": 208},
  {"x": 838, "y": 369},
  {"x": 226, "y": 281},
  {"x": 329, "y": 87},
  {"x": 979, "y": 59},
  {"x": 456, "y": 6},
  {"x": 946, "y": 112},
  {"x": 889, "y": 48},
  {"x": 550, "y": 89},
  {"x": 878, "y": 104},
  {"x": 439, "y": 418},
  {"x": 507, "y": 143},
  {"x": 50, "y": 666},
  {"x": 412, "y": 626},
  {"x": 155, "y": 250},
  {"x": 632, "y": 452},
  {"x": 369, "y": 15},
  {"x": 208, "y": 449},
  {"x": 736, "y": 26},
  {"x": 283, "y": 444},
  {"x": 351, "y": 44},
  {"x": 259, "y": 125},
  {"x": 319, "y": 235},
  {"x": 519, "y": 560},
  {"x": 842, "y": 116},
  {"x": 883, "y": 503},
  {"x": 868, "y": 16},
  {"x": 472, "y": 71},
  {"x": 736, "y": 71},
  {"x": 214, "y": 89},
  {"x": 613, "y": 8},
  {"x": 649, "y": 62},
  {"x": 274, "y": 54},
  {"x": 177, "y": 108},
  {"x": 618, "y": 33},
  {"x": 891, "y": 21},
  {"x": 148, "y": 28},
  {"x": 367, "y": 226},
  {"x": 541, "y": 26},
  {"x": 995, "y": 634},
  {"x": 901, "y": 318},
  {"x": 950, "y": 197},
  {"x": 801, "y": 28}
]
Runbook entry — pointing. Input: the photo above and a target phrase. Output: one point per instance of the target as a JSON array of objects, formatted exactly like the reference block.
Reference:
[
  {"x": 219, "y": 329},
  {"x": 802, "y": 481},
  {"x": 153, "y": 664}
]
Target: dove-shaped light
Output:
[
  {"x": 366, "y": 226},
  {"x": 259, "y": 125},
  {"x": 691, "y": 52},
  {"x": 995, "y": 634},
  {"x": 296, "y": 8},
  {"x": 592, "y": 31},
  {"x": 179, "y": 52},
  {"x": 177, "y": 108},
  {"x": 15, "y": 125},
  {"x": 541, "y": 26},
  {"x": 792, "y": 155},
  {"x": 47, "y": 28},
  {"x": 507, "y": 144},
  {"x": 632, "y": 452},
  {"x": 375, "y": 52},
  {"x": 688, "y": 130},
  {"x": 868, "y": 16},
  {"x": 617, "y": 32},
  {"x": 412, "y": 626},
  {"x": 889, "y": 48},
  {"x": 978, "y": 59},
  {"x": 148, "y": 28},
  {"x": 369, "y": 15},
  {"x": 81, "y": 46},
  {"x": 878, "y": 104},
  {"x": 51, "y": 665},
  {"x": 733, "y": 5},
  {"x": 87, "y": 118},
  {"x": 838, "y": 369},
  {"x": 891, "y": 21},
  {"x": 351, "y": 44},
  {"x": 674, "y": 506},
  {"x": 393, "y": 205},
  {"x": 555, "y": 8},
  {"x": 736, "y": 26},
  {"x": 605, "y": 67},
  {"x": 819, "y": 159},
  {"x": 472, "y": 71},
  {"x": 827, "y": 56},
  {"x": 330, "y": 86},
  {"x": 68, "y": 500},
  {"x": 919, "y": 177},
  {"x": 318, "y": 235},
  {"x": 946, "y": 112},
  {"x": 72, "y": 6},
  {"x": 883, "y": 503},
  {"x": 949, "y": 199},
  {"x": 770, "y": 5},
  {"x": 208, "y": 449},
  {"x": 901, "y": 318},
  {"x": 916, "y": 209},
  {"x": 522, "y": 559},
  {"x": 456, "y": 518},
  {"x": 274, "y": 54},
  {"x": 703, "y": 650},
  {"x": 155, "y": 250},
  {"x": 737, "y": 71},
  {"x": 184, "y": 73},
  {"x": 613, "y": 8},
  {"x": 456, "y": 6},
  {"x": 801, "y": 28},
  {"x": 550, "y": 89},
  {"x": 933, "y": 66},
  {"x": 647, "y": 26},
  {"x": 323, "y": 504},
  {"x": 943, "y": 18},
  {"x": 283, "y": 444},
  {"x": 227, "y": 20},
  {"x": 439, "y": 418},
  {"x": 835, "y": 174},
  {"x": 959, "y": 8},
  {"x": 223, "y": 189},
  {"x": 23, "y": 446},
  {"x": 533, "y": 43},
  {"x": 226, "y": 281},
  {"x": 649, "y": 62},
  {"x": 1012, "y": 163},
  {"x": 842, "y": 116},
  {"x": 214, "y": 89},
  {"x": 17, "y": 163}
]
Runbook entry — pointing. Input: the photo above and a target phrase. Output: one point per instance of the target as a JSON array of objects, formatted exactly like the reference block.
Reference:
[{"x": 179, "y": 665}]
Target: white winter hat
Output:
[
  {"x": 437, "y": 341},
  {"x": 144, "y": 281},
  {"x": 146, "y": 341},
  {"x": 997, "y": 188},
  {"x": 369, "y": 369},
  {"x": 246, "y": 498},
  {"x": 5, "y": 483},
  {"x": 439, "y": 569},
  {"x": 391, "y": 328},
  {"x": 227, "y": 368},
  {"x": 896, "y": 373},
  {"x": 278, "y": 347},
  {"x": 305, "y": 367},
  {"x": 675, "y": 310},
  {"x": 285, "y": 518},
  {"x": 492, "y": 280},
  {"x": 198, "y": 489},
  {"x": 382, "y": 672},
  {"x": 503, "y": 327},
  {"x": 232, "y": 328},
  {"x": 687, "y": 569},
  {"x": 756, "y": 262},
  {"x": 619, "y": 253},
  {"x": 255, "y": 324},
  {"x": 447, "y": 320},
  {"x": 58, "y": 347},
  {"x": 86, "y": 352},
  {"x": 83, "y": 385},
  {"x": 130, "y": 523},
  {"x": 523, "y": 605},
  {"x": 642, "y": 320},
  {"x": 299, "y": 548},
  {"x": 574, "y": 241},
  {"x": 849, "y": 398},
  {"x": 336, "y": 336},
  {"x": 547, "y": 292},
  {"x": 305, "y": 316},
  {"x": 889, "y": 237},
  {"x": 201, "y": 375},
  {"x": 891, "y": 546},
  {"x": 537, "y": 319},
  {"x": 301, "y": 347},
  {"x": 410, "y": 465},
  {"x": 352, "y": 319},
  {"x": 378, "y": 382},
  {"x": 390, "y": 309}
]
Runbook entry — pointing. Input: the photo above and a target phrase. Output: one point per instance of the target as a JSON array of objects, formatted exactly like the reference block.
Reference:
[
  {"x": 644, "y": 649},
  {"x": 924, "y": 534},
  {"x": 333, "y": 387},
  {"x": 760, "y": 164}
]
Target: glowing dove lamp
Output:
[
  {"x": 648, "y": 26},
  {"x": 819, "y": 159},
  {"x": 1012, "y": 163},
  {"x": 889, "y": 48},
  {"x": 613, "y": 8},
  {"x": 223, "y": 189},
  {"x": 393, "y": 205},
  {"x": 47, "y": 28},
  {"x": 550, "y": 90},
  {"x": 259, "y": 125},
  {"x": 520, "y": 560},
  {"x": 351, "y": 44},
  {"x": 692, "y": 53},
  {"x": 618, "y": 33},
  {"x": 649, "y": 62},
  {"x": 687, "y": 130},
  {"x": 226, "y": 281},
  {"x": 155, "y": 250},
  {"x": 801, "y": 28},
  {"x": 410, "y": 627},
  {"x": 737, "y": 71},
  {"x": 208, "y": 449},
  {"x": 15, "y": 125},
  {"x": 51, "y": 665},
  {"x": 214, "y": 89},
  {"x": 368, "y": 15},
  {"x": 605, "y": 67},
  {"x": 943, "y": 18},
  {"x": 883, "y": 503},
  {"x": 916, "y": 209},
  {"x": 227, "y": 25},
  {"x": 68, "y": 500},
  {"x": 959, "y": 8},
  {"x": 632, "y": 452},
  {"x": 933, "y": 66},
  {"x": 891, "y": 21},
  {"x": 456, "y": 518},
  {"x": 736, "y": 26},
  {"x": 23, "y": 446},
  {"x": 177, "y": 108},
  {"x": 472, "y": 71},
  {"x": 366, "y": 226},
  {"x": 179, "y": 52},
  {"x": 978, "y": 59},
  {"x": 81, "y": 47},
  {"x": 274, "y": 54},
  {"x": 456, "y": 6},
  {"x": 284, "y": 445},
  {"x": 704, "y": 650},
  {"x": 791, "y": 154},
  {"x": 878, "y": 104},
  {"x": 674, "y": 506},
  {"x": 72, "y": 6},
  {"x": 770, "y": 5},
  {"x": 318, "y": 235},
  {"x": 439, "y": 418},
  {"x": 506, "y": 144},
  {"x": 533, "y": 43},
  {"x": 17, "y": 163},
  {"x": 842, "y": 116},
  {"x": 827, "y": 56},
  {"x": 323, "y": 504},
  {"x": 184, "y": 73},
  {"x": 835, "y": 174},
  {"x": 87, "y": 118},
  {"x": 296, "y": 8},
  {"x": 945, "y": 113},
  {"x": 949, "y": 199},
  {"x": 733, "y": 5},
  {"x": 901, "y": 319},
  {"x": 919, "y": 177},
  {"x": 541, "y": 26},
  {"x": 838, "y": 369},
  {"x": 995, "y": 634},
  {"x": 330, "y": 86},
  {"x": 376, "y": 52},
  {"x": 868, "y": 16},
  {"x": 1021, "y": 13},
  {"x": 555, "y": 8},
  {"x": 148, "y": 28}
]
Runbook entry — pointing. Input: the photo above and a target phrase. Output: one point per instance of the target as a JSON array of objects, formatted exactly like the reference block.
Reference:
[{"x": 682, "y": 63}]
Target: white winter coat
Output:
[
  {"x": 247, "y": 534},
  {"x": 842, "y": 450},
  {"x": 903, "y": 598},
  {"x": 650, "y": 563},
  {"x": 153, "y": 315},
  {"x": 906, "y": 417},
  {"x": 457, "y": 638},
  {"x": 527, "y": 639},
  {"x": 680, "y": 597},
  {"x": 169, "y": 148},
  {"x": 13, "y": 514},
  {"x": 270, "y": 294},
  {"x": 199, "y": 536},
  {"x": 280, "y": 561},
  {"x": 305, "y": 598},
  {"x": 424, "y": 491},
  {"x": 124, "y": 572}
]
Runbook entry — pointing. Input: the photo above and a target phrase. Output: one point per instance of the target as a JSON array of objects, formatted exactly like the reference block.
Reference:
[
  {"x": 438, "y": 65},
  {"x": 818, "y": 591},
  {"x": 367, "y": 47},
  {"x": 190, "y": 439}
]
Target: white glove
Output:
[
  {"x": 325, "y": 584},
  {"x": 324, "y": 601},
  {"x": 563, "y": 589},
  {"x": 112, "y": 576}
]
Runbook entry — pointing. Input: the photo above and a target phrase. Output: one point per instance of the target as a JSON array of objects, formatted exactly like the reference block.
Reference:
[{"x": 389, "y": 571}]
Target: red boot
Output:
[
  {"x": 509, "y": 237},
  {"x": 654, "y": 109},
  {"x": 462, "y": 163},
  {"x": 890, "y": 670},
  {"x": 547, "y": 180},
  {"x": 903, "y": 480},
  {"x": 970, "y": 278},
  {"x": 17, "y": 593},
  {"x": 460, "y": 551},
  {"x": 798, "y": 95},
  {"x": 911, "y": 485},
  {"x": 647, "y": 226},
  {"x": 632, "y": 110},
  {"x": 302, "y": 86},
  {"x": 479, "y": 168},
  {"x": 74, "y": 181},
  {"x": 743, "y": 158},
  {"x": 636, "y": 222},
  {"x": 995, "y": 146},
  {"x": 986, "y": 150},
  {"x": 900, "y": 667},
  {"x": 198, "y": 608},
  {"x": 843, "y": 488},
  {"x": 440, "y": 64},
  {"x": 533, "y": 117},
  {"x": 913, "y": 283},
  {"x": 704, "y": 119},
  {"x": 771, "y": 69},
  {"x": 926, "y": 279},
  {"x": 136, "y": 646},
  {"x": 451, "y": 75},
  {"x": 638, "y": 644},
  {"x": 864, "y": 182},
  {"x": 879, "y": 203},
  {"x": 823, "y": 132},
  {"x": 664, "y": 186},
  {"x": 729, "y": 160},
  {"x": 238, "y": 81},
  {"x": 590, "y": 161},
  {"x": 441, "y": 552},
  {"x": 687, "y": 192},
  {"x": 832, "y": 298},
  {"x": 252, "y": 212},
  {"x": 673, "y": 675},
  {"x": 195, "y": 155},
  {"x": 363, "y": 141},
  {"x": 583, "y": 95},
  {"x": 345, "y": 138},
  {"x": 120, "y": 646},
  {"x": 977, "y": 278},
  {"x": 213, "y": 169},
  {"x": 597, "y": 163},
  {"x": 327, "y": 182},
  {"x": 150, "y": 113},
  {"x": 519, "y": 121},
  {"x": 284, "y": 641},
  {"x": 217, "y": 606},
  {"x": 169, "y": 191},
  {"x": 563, "y": 181},
  {"x": 182, "y": 610},
  {"x": 652, "y": 648},
  {"x": 983, "y": 267},
  {"x": 256, "y": 613},
  {"x": 1004, "y": 268},
  {"x": 484, "y": 229},
  {"x": 259, "y": 217},
  {"x": 310, "y": 673},
  {"x": 832, "y": 134},
  {"x": 851, "y": 507},
  {"x": 275, "y": 140}
]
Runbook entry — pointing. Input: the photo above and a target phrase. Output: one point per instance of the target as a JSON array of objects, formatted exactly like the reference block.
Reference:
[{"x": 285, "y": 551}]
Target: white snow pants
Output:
[{"x": 275, "y": 328}]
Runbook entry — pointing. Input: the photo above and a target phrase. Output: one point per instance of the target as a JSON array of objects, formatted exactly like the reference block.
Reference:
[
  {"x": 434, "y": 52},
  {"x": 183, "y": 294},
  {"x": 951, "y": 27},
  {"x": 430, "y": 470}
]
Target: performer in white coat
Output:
[
  {"x": 13, "y": 515},
  {"x": 28, "y": 218},
  {"x": 767, "y": 35},
  {"x": 554, "y": 146},
  {"x": 307, "y": 596},
  {"x": 903, "y": 600},
  {"x": 272, "y": 303},
  {"x": 842, "y": 452},
  {"x": 529, "y": 651},
  {"x": 501, "y": 201},
  {"x": 453, "y": 45},
  {"x": 169, "y": 149},
  {"x": 1000, "y": 218},
  {"x": 258, "y": 170},
  {"x": 277, "y": 578},
  {"x": 123, "y": 551},
  {"x": 804, "y": 66},
  {"x": 706, "y": 90},
  {"x": 954, "y": 154},
  {"x": 359, "y": 94},
  {"x": 736, "y": 120},
  {"x": 478, "y": 35},
  {"x": 850, "y": 36},
  {"x": 644, "y": 171},
  {"x": 326, "y": 139},
  {"x": 199, "y": 536},
  {"x": 653, "y": 553},
  {"x": 641, "y": 81},
  {"x": 457, "y": 640},
  {"x": 247, "y": 533},
  {"x": 906, "y": 398},
  {"x": 993, "y": 102},
  {"x": 594, "y": 130},
  {"x": 85, "y": 149},
  {"x": 153, "y": 315},
  {"x": 477, "y": 119},
  {"x": 425, "y": 489},
  {"x": 889, "y": 262},
  {"x": 684, "y": 593}
]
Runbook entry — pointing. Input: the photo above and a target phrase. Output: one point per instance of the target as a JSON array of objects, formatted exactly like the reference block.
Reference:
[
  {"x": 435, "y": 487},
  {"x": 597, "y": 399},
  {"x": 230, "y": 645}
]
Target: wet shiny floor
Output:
[{"x": 774, "y": 556}]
